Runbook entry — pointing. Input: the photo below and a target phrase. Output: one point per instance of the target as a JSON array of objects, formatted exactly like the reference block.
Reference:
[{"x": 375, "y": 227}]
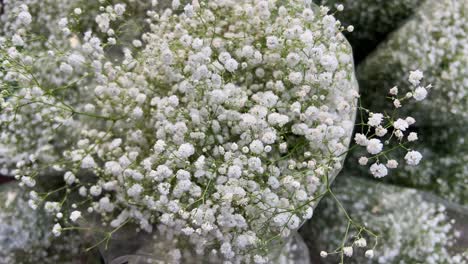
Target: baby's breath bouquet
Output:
[{"x": 218, "y": 128}]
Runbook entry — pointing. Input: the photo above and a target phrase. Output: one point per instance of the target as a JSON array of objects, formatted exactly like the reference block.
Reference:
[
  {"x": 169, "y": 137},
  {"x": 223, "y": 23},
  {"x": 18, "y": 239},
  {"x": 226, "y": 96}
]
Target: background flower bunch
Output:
[
  {"x": 25, "y": 233},
  {"x": 372, "y": 20},
  {"x": 433, "y": 40},
  {"x": 412, "y": 226}
]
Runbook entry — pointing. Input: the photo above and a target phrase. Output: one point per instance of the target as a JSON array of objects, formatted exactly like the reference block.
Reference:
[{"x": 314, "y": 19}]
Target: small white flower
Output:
[
  {"x": 137, "y": 113},
  {"x": 88, "y": 163},
  {"x": 420, "y": 93},
  {"x": 17, "y": 40},
  {"x": 175, "y": 4},
  {"x": 57, "y": 230},
  {"x": 119, "y": 9},
  {"x": 245, "y": 149},
  {"x": 293, "y": 59},
  {"x": 32, "y": 204},
  {"x": 410, "y": 120},
  {"x": 361, "y": 139},
  {"x": 369, "y": 253},
  {"x": 137, "y": 43},
  {"x": 278, "y": 119},
  {"x": 413, "y": 157},
  {"x": 95, "y": 190},
  {"x": 375, "y": 119},
  {"x": 28, "y": 181},
  {"x": 188, "y": 10},
  {"x": 76, "y": 60},
  {"x": 234, "y": 172},
  {"x": 396, "y": 103},
  {"x": 231, "y": 65},
  {"x": 272, "y": 42},
  {"x": 77, "y": 11},
  {"x": 260, "y": 259},
  {"x": 323, "y": 254},
  {"x": 24, "y": 17},
  {"x": 283, "y": 147},
  {"x": 75, "y": 215},
  {"x": 378, "y": 170},
  {"x": 135, "y": 190},
  {"x": 413, "y": 136},
  {"x": 380, "y": 131},
  {"x": 66, "y": 68},
  {"x": 348, "y": 251},
  {"x": 256, "y": 146},
  {"x": 69, "y": 177},
  {"x": 51, "y": 207},
  {"x": 329, "y": 62},
  {"x": 415, "y": 77},
  {"x": 186, "y": 150},
  {"x": 295, "y": 77},
  {"x": 374, "y": 146},
  {"x": 226, "y": 250},
  {"x": 294, "y": 222},
  {"x": 363, "y": 161},
  {"x": 83, "y": 191},
  {"x": 106, "y": 205},
  {"x": 89, "y": 108},
  {"x": 400, "y": 124},
  {"x": 301, "y": 195},
  {"x": 392, "y": 164},
  {"x": 361, "y": 242},
  {"x": 398, "y": 134},
  {"x": 273, "y": 182},
  {"x": 63, "y": 22},
  {"x": 394, "y": 91}
]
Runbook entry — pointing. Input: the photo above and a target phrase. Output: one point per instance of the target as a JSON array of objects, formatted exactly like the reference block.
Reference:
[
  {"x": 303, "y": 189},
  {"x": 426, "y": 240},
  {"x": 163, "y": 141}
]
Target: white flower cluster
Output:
[
  {"x": 375, "y": 132},
  {"x": 411, "y": 228},
  {"x": 218, "y": 128}
]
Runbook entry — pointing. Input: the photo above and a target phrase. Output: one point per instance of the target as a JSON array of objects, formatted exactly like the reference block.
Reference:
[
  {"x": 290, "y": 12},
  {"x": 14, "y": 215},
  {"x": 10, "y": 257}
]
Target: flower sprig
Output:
[{"x": 374, "y": 133}]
